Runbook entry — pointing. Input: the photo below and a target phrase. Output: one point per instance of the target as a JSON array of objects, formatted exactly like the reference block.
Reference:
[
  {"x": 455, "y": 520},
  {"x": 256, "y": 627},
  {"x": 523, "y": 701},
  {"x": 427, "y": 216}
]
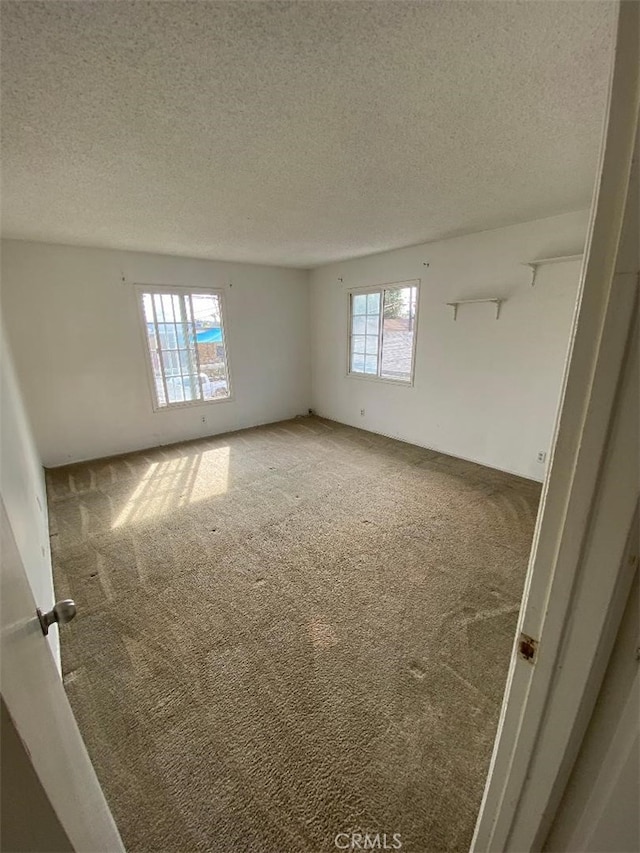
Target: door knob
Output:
[{"x": 63, "y": 612}]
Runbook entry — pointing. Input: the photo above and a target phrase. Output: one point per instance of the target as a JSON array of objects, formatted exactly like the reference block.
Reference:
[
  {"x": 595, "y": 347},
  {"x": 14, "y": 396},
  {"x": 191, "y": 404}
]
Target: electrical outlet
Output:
[
  {"x": 204, "y": 420},
  {"x": 542, "y": 455},
  {"x": 362, "y": 412}
]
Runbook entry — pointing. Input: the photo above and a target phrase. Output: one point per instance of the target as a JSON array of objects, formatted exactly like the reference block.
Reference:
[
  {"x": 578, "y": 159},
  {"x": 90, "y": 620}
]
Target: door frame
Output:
[{"x": 577, "y": 577}]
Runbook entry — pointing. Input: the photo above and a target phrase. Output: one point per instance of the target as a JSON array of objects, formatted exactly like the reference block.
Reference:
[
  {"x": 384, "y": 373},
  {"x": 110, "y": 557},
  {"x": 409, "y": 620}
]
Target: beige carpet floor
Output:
[{"x": 287, "y": 633}]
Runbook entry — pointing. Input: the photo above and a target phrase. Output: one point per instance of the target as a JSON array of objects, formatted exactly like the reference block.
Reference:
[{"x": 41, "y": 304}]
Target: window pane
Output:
[
  {"x": 177, "y": 308},
  {"x": 358, "y": 324},
  {"x": 357, "y": 363},
  {"x": 148, "y": 310},
  {"x": 191, "y": 387},
  {"x": 206, "y": 310},
  {"x": 206, "y": 386},
  {"x": 371, "y": 346},
  {"x": 157, "y": 303},
  {"x": 170, "y": 363},
  {"x": 357, "y": 343},
  {"x": 159, "y": 388},
  {"x": 182, "y": 334},
  {"x": 174, "y": 389},
  {"x": 207, "y": 315},
  {"x": 371, "y": 364},
  {"x": 167, "y": 304},
  {"x": 398, "y": 332},
  {"x": 372, "y": 325},
  {"x": 167, "y": 335},
  {"x": 373, "y": 303},
  {"x": 359, "y": 304},
  {"x": 188, "y": 316}
]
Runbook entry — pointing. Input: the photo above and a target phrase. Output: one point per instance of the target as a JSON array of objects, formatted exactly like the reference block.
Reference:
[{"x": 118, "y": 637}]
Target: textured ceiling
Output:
[{"x": 296, "y": 133}]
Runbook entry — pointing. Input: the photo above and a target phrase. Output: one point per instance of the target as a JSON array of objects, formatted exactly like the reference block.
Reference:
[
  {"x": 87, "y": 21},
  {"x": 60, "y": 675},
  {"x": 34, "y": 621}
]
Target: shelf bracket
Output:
[
  {"x": 497, "y": 302},
  {"x": 557, "y": 260}
]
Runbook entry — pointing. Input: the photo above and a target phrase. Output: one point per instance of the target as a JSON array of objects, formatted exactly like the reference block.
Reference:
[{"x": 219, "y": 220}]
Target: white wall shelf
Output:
[
  {"x": 494, "y": 299},
  {"x": 559, "y": 259}
]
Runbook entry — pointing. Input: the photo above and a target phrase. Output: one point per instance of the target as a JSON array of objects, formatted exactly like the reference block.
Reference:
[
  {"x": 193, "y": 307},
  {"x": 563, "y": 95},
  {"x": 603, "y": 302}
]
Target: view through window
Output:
[
  {"x": 186, "y": 346},
  {"x": 382, "y": 331}
]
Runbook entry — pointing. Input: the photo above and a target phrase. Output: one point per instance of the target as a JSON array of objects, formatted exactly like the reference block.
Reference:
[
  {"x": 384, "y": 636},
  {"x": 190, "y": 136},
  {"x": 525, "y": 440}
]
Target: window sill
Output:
[
  {"x": 405, "y": 383},
  {"x": 192, "y": 404}
]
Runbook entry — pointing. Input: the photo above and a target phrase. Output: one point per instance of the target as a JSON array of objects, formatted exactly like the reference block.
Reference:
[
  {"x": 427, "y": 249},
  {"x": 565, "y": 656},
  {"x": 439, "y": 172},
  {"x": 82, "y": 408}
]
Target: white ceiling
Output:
[{"x": 296, "y": 133}]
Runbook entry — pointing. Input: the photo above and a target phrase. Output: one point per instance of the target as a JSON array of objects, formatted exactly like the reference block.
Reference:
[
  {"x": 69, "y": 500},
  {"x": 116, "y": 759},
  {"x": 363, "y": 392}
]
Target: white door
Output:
[
  {"x": 35, "y": 699},
  {"x": 578, "y": 578}
]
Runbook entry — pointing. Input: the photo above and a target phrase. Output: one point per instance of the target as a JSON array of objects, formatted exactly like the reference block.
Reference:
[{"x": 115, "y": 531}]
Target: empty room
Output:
[{"x": 288, "y": 292}]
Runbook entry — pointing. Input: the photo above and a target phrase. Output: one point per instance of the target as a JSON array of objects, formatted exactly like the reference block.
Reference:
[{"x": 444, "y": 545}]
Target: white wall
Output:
[
  {"x": 74, "y": 330},
  {"x": 23, "y": 490},
  {"x": 484, "y": 390}
]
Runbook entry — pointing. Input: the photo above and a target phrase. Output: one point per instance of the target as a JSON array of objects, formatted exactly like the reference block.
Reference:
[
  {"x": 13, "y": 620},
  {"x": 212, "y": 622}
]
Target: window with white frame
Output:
[
  {"x": 186, "y": 345},
  {"x": 382, "y": 331}
]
